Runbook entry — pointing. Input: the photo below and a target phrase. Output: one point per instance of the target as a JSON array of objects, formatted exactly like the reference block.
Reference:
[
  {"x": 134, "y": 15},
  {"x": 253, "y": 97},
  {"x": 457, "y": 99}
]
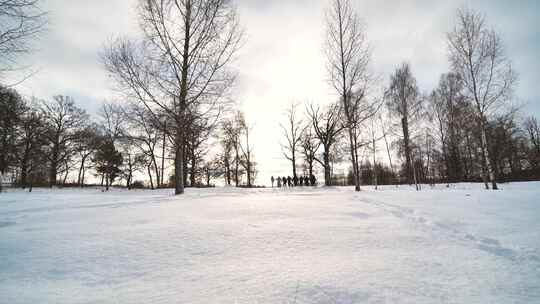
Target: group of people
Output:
[{"x": 293, "y": 181}]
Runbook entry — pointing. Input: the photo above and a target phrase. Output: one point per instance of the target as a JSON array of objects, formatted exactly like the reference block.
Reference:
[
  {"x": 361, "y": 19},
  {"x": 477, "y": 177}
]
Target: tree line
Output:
[
  {"x": 57, "y": 143},
  {"x": 178, "y": 125},
  {"x": 466, "y": 129}
]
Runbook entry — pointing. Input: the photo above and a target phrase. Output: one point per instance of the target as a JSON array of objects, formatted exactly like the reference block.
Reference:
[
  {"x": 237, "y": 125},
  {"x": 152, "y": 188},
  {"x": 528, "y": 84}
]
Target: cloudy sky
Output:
[{"x": 282, "y": 60}]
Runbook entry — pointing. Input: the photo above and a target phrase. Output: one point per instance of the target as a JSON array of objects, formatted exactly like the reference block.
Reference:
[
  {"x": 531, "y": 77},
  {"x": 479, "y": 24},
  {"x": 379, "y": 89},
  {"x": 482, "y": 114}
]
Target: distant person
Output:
[
  {"x": 301, "y": 181},
  {"x": 279, "y": 182},
  {"x": 312, "y": 179},
  {"x": 295, "y": 180},
  {"x": 289, "y": 181},
  {"x": 272, "y": 179}
]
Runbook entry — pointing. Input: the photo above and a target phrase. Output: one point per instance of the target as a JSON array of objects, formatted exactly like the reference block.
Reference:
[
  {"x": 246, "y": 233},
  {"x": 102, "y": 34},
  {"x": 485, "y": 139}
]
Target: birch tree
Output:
[
  {"x": 477, "y": 55},
  {"x": 348, "y": 57},
  {"x": 404, "y": 103}
]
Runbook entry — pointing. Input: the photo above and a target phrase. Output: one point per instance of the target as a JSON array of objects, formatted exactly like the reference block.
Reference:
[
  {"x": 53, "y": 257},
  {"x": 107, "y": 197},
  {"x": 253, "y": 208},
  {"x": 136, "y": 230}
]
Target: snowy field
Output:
[{"x": 457, "y": 245}]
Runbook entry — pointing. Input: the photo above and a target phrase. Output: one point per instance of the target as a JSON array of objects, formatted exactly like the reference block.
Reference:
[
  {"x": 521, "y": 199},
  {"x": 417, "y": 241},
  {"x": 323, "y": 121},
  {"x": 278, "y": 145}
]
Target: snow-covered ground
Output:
[{"x": 456, "y": 245}]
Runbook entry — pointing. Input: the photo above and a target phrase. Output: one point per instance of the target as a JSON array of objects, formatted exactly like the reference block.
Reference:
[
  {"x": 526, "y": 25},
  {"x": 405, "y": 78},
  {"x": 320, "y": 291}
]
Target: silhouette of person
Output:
[
  {"x": 301, "y": 181},
  {"x": 272, "y": 179},
  {"x": 279, "y": 181},
  {"x": 289, "y": 181},
  {"x": 295, "y": 180}
]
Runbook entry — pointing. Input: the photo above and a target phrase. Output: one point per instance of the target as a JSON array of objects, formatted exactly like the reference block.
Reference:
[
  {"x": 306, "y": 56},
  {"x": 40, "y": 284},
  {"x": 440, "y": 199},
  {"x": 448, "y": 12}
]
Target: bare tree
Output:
[
  {"x": 292, "y": 131},
  {"x": 327, "y": 127},
  {"x": 143, "y": 135},
  {"x": 444, "y": 108},
  {"x": 246, "y": 148},
  {"x": 197, "y": 135},
  {"x": 384, "y": 131},
  {"x": 134, "y": 161},
  {"x": 310, "y": 145},
  {"x": 21, "y": 23},
  {"x": 64, "y": 120},
  {"x": 226, "y": 155},
  {"x": 405, "y": 103},
  {"x": 29, "y": 142},
  {"x": 477, "y": 56},
  {"x": 86, "y": 144},
  {"x": 181, "y": 63},
  {"x": 232, "y": 131},
  {"x": 348, "y": 57},
  {"x": 112, "y": 120}
]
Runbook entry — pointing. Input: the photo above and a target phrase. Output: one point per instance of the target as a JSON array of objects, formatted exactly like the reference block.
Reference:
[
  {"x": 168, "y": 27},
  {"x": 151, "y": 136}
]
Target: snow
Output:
[{"x": 325, "y": 245}]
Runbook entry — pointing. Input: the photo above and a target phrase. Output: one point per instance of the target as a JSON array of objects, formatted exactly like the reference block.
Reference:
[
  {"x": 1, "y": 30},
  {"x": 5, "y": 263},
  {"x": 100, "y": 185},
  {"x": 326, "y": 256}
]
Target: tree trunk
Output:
[
  {"x": 327, "y": 177},
  {"x": 82, "y": 179},
  {"x": 236, "y": 160},
  {"x": 81, "y": 168},
  {"x": 192, "y": 173},
  {"x": 156, "y": 168},
  {"x": 149, "y": 169},
  {"x": 375, "y": 181},
  {"x": 408, "y": 164},
  {"x": 227, "y": 172},
  {"x": 354, "y": 159},
  {"x": 185, "y": 165},
  {"x": 179, "y": 157},
  {"x": 248, "y": 159},
  {"x": 295, "y": 177},
  {"x": 163, "y": 155},
  {"x": 249, "y": 173},
  {"x": 31, "y": 186},
  {"x": 179, "y": 165},
  {"x": 487, "y": 160}
]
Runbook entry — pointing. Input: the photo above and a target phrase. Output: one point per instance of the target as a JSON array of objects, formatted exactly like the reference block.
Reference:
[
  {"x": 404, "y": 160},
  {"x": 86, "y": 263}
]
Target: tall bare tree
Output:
[
  {"x": 404, "y": 102},
  {"x": 348, "y": 57},
  {"x": 292, "y": 131},
  {"x": 477, "y": 55},
  {"x": 182, "y": 62}
]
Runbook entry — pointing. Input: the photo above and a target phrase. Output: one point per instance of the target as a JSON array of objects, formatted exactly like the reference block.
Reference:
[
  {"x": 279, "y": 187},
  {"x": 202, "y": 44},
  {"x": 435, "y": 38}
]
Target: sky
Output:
[{"x": 282, "y": 59}]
